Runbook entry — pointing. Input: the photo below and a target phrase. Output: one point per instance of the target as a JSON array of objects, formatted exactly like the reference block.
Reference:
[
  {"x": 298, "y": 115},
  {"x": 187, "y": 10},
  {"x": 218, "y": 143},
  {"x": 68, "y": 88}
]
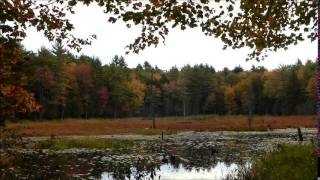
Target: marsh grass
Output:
[
  {"x": 139, "y": 126},
  {"x": 294, "y": 162},
  {"x": 88, "y": 143}
]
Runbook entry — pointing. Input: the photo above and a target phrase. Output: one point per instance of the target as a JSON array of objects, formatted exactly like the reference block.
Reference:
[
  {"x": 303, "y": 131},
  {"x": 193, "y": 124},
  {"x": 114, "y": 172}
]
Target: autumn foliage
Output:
[
  {"x": 13, "y": 97},
  {"x": 58, "y": 85},
  {"x": 67, "y": 86}
]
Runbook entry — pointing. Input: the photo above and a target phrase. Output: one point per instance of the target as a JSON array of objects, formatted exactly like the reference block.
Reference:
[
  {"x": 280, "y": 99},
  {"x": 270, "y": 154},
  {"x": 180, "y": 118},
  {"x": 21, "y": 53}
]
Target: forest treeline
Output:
[{"x": 66, "y": 86}]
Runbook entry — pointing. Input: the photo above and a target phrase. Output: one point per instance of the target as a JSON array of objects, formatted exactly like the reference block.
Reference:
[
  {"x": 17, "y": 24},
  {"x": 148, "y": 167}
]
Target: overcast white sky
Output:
[{"x": 182, "y": 47}]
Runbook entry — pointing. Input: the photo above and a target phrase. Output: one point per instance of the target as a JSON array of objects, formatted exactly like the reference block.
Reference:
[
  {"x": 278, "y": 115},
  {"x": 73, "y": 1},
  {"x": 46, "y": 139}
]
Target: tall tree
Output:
[
  {"x": 44, "y": 80},
  {"x": 14, "y": 98},
  {"x": 63, "y": 77},
  {"x": 103, "y": 94},
  {"x": 84, "y": 79}
]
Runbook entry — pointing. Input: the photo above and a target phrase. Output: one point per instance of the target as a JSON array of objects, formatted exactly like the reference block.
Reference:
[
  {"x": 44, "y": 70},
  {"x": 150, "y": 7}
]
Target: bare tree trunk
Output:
[
  {"x": 184, "y": 108},
  {"x": 152, "y": 103},
  {"x": 250, "y": 117},
  {"x": 86, "y": 106},
  {"x": 153, "y": 122},
  {"x": 2, "y": 122},
  {"x": 2, "y": 116},
  {"x": 300, "y": 134},
  {"x": 41, "y": 102},
  {"x": 115, "y": 113},
  {"x": 62, "y": 112},
  {"x": 250, "y": 105},
  {"x": 86, "y": 114}
]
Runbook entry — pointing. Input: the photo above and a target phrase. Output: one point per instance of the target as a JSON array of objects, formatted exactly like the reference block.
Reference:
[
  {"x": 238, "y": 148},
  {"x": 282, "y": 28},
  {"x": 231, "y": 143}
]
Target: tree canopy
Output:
[{"x": 261, "y": 25}]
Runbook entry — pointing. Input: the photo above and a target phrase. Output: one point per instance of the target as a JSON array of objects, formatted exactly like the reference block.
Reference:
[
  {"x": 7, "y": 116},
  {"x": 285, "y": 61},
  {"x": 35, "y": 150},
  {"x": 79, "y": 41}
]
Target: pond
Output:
[
  {"x": 190, "y": 155},
  {"x": 170, "y": 172},
  {"x": 100, "y": 165}
]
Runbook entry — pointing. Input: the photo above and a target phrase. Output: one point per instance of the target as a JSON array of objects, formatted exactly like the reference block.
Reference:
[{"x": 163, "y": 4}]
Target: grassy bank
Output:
[
  {"x": 294, "y": 162},
  {"x": 88, "y": 143},
  {"x": 166, "y": 125}
]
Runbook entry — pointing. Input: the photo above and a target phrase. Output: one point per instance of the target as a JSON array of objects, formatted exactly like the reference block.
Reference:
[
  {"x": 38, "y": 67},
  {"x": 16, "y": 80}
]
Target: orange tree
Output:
[
  {"x": 13, "y": 97},
  {"x": 15, "y": 17}
]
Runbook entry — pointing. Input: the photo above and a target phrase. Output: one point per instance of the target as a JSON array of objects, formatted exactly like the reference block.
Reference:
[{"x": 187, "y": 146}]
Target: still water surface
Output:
[{"x": 168, "y": 172}]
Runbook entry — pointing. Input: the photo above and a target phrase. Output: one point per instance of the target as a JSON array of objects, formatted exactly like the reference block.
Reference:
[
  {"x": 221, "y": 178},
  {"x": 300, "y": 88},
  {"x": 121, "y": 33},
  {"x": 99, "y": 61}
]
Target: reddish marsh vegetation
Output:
[{"x": 168, "y": 125}]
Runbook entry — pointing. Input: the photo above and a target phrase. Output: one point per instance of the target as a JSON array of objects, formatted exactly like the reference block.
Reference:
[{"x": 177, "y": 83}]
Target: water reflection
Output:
[
  {"x": 115, "y": 166},
  {"x": 220, "y": 171},
  {"x": 164, "y": 160},
  {"x": 170, "y": 172}
]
